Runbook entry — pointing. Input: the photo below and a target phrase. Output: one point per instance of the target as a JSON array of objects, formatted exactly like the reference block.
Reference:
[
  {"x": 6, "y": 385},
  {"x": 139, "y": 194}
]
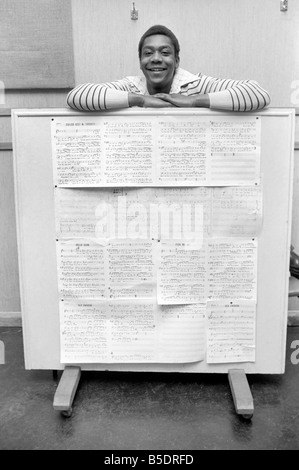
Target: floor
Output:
[{"x": 127, "y": 411}]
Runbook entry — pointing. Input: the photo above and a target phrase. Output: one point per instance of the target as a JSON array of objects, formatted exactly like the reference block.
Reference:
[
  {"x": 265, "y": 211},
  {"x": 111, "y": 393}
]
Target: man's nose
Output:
[{"x": 156, "y": 57}]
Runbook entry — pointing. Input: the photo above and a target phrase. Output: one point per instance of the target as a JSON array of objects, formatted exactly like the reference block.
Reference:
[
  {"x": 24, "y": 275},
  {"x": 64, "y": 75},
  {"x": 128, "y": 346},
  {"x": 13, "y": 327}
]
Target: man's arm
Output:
[
  {"x": 235, "y": 95},
  {"x": 99, "y": 97},
  {"x": 114, "y": 95},
  {"x": 223, "y": 94}
]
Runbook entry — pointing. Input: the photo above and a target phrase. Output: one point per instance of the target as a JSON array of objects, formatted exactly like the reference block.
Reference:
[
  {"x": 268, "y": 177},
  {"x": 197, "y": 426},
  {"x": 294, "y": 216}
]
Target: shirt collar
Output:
[{"x": 181, "y": 78}]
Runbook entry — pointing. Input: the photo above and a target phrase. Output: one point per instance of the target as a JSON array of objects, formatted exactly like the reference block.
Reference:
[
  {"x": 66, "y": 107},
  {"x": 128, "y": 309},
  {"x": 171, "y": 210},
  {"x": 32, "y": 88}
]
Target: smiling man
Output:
[{"x": 165, "y": 84}]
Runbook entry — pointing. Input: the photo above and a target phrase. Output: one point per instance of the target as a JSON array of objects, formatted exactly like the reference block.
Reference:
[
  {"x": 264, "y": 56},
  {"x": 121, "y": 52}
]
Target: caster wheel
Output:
[
  {"x": 67, "y": 413},
  {"x": 247, "y": 417}
]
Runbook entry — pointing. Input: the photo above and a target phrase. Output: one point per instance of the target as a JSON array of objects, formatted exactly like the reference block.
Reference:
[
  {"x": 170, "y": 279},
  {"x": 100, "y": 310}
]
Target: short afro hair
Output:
[{"x": 159, "y": 29}]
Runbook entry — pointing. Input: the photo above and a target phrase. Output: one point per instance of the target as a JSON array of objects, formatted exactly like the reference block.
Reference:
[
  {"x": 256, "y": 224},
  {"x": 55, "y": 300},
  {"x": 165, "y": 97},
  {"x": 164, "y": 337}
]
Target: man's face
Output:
[{"x": 158, "y": 63}]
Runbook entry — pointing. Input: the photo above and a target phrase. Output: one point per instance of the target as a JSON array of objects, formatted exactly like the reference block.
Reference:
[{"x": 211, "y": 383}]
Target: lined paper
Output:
[{"x": 231, "y": 331}]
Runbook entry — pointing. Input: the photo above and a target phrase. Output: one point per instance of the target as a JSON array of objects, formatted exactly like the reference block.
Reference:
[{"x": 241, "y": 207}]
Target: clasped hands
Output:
[{"x": 165, "y": 100}]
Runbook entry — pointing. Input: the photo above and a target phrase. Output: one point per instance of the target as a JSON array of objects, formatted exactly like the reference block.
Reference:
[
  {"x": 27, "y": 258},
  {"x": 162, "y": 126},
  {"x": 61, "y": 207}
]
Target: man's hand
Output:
[
  {"x": 147, "y": 101},
  {"x": 182, "y": 101}
]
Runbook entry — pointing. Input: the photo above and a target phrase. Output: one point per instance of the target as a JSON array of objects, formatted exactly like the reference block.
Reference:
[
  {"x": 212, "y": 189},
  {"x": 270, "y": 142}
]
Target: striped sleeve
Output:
[
  {"x": 99, "y": 97},
  {"x": 231, "y": 95}
]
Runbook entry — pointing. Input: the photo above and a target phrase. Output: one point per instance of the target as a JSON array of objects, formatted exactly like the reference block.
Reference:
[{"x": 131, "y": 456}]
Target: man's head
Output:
[
  {"x": 159, "y": 29},
  {"x": 159, "y": 58}
]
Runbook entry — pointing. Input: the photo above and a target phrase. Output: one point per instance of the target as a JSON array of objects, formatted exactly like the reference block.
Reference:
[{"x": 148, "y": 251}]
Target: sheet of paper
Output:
[
  {"x": 231, "y": 330},
  {"x": 118, "y": 269},
  {"x": 133, "y": 331},
  {"x": 182, "y": 213},
  {"x": 235, "y": 151},
  {"x": 181, "y": 272},
  {"x": 131, "y": 269},
  {"x": 136, "y": 151},
  {"x": 130, "y": 332},
  {"x": 232, "y": 269},
  {"x": 82, "y": 267},
  {"x": 77, "y": 151},
  {"x": 128, "y": 145},
  {"x": 78, "y": 211},
  {"x": 143, "y": 213},
  {"x": 236, "y": 211},
  {"x": 83, "y": 331},
  {"x": 182, "y": 150},
  {"x": 182, "y": 332}
]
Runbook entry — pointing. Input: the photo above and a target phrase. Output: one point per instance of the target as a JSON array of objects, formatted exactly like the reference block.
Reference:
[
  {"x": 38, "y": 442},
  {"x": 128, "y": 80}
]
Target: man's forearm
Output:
[
  {"x": 202, "y": 101},
  {"x": 96, "y": 97},
  {"x": 135, "y": 100}
]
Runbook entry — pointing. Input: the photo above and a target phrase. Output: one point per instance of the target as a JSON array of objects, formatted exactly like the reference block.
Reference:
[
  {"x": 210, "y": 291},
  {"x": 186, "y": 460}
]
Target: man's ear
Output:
[{"x": 177, "y": 62}]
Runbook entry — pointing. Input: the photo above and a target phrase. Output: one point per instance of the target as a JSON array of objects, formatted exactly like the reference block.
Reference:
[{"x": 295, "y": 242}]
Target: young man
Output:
[{"x": 165, "y": 84}]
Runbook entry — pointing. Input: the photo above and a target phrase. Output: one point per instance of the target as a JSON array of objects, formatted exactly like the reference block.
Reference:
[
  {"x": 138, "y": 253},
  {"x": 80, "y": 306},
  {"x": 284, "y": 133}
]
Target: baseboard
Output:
[
  {"x": 293, "y": 318},
  {"x": 10, "y": 319}
]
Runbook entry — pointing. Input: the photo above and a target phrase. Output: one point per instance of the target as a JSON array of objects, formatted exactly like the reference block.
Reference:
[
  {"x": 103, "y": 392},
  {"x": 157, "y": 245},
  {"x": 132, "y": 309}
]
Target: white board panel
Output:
[{"x": 37, "y": 250}]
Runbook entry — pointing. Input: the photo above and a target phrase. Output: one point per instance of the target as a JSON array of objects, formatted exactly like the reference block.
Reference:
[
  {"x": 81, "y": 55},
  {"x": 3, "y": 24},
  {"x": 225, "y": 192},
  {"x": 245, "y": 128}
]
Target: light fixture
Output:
[{"x": 134, "y": 13}]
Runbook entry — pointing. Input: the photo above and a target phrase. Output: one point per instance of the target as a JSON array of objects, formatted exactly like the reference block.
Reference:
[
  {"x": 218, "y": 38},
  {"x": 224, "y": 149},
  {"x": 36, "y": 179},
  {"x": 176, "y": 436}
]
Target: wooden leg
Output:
[
  {"x": 241, "y": 393},
  {"x": 66, "y": 390},
  {"x": 2, "y": 353}
]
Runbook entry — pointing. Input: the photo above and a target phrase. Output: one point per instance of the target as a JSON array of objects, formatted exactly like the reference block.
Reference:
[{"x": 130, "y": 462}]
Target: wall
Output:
[
  {"x": 231, "y": 38},
  {"x": 225, "y": 38}
]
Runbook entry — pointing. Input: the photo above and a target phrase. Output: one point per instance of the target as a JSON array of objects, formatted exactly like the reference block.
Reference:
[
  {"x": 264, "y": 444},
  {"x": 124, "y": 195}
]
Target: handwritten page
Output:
[
  {"x": 130, "y": 332},
  {"x": 128, "y": 148},
  {"x": 77, "y": 152},
  {"x": 231, "y": 331},
  {"x": 232, "y": 269},
  {"x": 133, "y": 336},
  {"x": 181, "y": 273},
  {"x": 138, "y": 151},
  {"x": 118, "y": 269},
  {"x": 131, "y": 269},
  {"x": 183, "y": 147},
  {"x": 236, "y": 211},
  {"x": 82, "y": 268},
  {"x": 84, "y": 331}
]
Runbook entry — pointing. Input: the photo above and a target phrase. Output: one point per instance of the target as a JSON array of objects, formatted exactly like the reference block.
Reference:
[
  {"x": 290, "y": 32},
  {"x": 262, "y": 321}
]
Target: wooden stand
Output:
[
  {"x": 2, "y": 353},
  {"x": 241, "y": 393},
  {"x": 66, "y": 390}
]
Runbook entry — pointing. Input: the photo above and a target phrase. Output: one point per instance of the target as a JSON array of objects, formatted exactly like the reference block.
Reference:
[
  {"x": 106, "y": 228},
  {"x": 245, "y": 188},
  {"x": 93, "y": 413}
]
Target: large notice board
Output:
[{"x": 43, "y": 174}]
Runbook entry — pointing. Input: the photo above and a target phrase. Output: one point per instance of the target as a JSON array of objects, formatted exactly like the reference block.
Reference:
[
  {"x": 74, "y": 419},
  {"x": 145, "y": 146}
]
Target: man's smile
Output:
[{"x": 156, "y": 69}]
